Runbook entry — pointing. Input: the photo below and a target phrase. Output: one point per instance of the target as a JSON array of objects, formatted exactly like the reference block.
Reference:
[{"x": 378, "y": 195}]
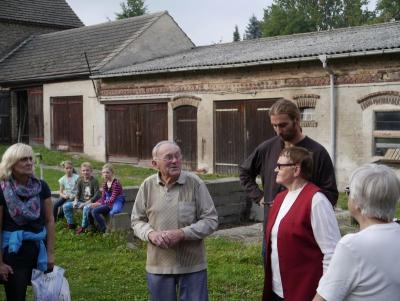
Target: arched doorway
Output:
[{"x": 185, "y": 134}]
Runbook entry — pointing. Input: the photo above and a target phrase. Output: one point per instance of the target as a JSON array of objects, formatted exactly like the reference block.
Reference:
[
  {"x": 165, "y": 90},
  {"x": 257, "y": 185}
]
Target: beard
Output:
[{"x": 289, "y": 134}]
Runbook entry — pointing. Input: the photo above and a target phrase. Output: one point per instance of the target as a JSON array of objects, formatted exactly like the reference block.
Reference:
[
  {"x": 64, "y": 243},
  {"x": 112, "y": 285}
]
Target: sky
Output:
[{"x": 204, "y": 21}]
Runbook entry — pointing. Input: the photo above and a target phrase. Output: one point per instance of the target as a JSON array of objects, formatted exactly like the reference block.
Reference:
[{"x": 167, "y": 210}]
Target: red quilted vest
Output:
[{"x": 300, "y": 258}]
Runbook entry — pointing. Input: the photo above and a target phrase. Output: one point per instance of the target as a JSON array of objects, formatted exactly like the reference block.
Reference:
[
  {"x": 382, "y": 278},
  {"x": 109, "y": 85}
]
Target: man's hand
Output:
[
  {"x": 261, "y": 202},
  {"x": 174, "y": 236},
  {"x": 159, "y": 239},
  {"x": 166, "y": 239}
]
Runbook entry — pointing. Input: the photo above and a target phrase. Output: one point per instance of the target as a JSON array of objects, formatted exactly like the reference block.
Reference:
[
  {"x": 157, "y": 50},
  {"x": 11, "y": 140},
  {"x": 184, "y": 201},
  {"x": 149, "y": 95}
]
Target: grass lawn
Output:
[
  {"x": 128, "y": 174},
  {"x": 101, "y": 267}
]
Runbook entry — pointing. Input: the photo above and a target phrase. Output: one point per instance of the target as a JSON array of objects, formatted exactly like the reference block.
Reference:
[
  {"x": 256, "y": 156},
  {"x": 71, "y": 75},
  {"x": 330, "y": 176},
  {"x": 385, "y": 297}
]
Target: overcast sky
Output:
[{"x": 204, "y": 21}]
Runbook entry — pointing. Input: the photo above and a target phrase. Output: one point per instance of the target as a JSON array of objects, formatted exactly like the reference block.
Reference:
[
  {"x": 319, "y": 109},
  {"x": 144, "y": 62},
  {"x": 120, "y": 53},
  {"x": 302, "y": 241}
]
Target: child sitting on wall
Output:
[{"x": 112, "y": 198}]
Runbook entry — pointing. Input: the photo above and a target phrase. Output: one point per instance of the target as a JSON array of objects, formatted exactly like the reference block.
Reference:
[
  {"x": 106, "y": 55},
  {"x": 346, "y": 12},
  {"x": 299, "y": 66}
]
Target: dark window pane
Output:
[{"x": 387, "y": 121}]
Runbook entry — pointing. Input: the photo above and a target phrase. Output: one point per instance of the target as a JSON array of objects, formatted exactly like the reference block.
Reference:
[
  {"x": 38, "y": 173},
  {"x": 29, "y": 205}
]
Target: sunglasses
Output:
[{"x": 279, "y": 165}]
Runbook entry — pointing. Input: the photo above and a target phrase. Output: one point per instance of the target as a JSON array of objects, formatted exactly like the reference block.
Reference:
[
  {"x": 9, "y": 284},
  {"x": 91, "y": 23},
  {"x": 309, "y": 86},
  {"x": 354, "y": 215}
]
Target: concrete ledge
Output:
[
  {"x": 119, "y": 222},
  {"x": 227, "y": 194}
]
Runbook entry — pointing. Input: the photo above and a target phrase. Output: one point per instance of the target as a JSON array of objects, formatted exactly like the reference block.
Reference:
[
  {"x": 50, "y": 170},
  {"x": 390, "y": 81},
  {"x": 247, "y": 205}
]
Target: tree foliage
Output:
[
  {"x": 296, "y": 16},
  {"x": 253, "y": 29},
  {"x": 388, "y": 10},
  {"x": 132, "y": 8},
  {"x": 236, "y": 34}
]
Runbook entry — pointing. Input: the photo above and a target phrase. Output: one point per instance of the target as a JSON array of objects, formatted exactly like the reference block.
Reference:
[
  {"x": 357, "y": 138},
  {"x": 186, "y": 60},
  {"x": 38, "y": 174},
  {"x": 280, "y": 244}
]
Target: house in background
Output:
[
  {"x": 19, "y": 21},
  {"x": 56, "y": 68},
  {"x": 216, "y": 98},
  {"x": 115, "y": 89}
]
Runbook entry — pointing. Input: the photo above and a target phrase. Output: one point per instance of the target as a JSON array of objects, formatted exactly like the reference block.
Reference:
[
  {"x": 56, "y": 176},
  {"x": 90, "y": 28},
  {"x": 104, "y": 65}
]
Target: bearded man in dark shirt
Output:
[{"x": 285, "y": 119}]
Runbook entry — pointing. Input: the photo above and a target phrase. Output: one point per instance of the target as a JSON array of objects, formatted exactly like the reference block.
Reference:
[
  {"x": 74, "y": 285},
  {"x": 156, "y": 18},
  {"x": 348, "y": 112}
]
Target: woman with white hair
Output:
[
  {"x": 26, "y": 222},
  {"x": 366, "y": 265}
]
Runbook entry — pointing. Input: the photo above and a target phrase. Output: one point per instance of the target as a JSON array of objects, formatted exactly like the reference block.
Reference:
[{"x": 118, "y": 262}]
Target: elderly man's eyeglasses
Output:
[
  {"x": 170, "y": 158},
  {"x": 347, "y": 191},
  {"x": 280, "y": 165}
]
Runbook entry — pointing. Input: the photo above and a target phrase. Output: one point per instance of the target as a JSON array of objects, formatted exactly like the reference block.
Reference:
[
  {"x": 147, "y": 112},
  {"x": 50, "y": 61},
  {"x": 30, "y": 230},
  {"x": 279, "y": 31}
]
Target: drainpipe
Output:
[{"x": 324, "y": 61}]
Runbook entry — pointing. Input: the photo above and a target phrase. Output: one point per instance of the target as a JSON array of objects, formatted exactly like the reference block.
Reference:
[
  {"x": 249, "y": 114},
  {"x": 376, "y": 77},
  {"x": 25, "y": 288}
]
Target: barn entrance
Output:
[
  {"x": 185, "y": 134},
  {"x": 133, "y": 130},
  {"x": 240, "y": 126}
]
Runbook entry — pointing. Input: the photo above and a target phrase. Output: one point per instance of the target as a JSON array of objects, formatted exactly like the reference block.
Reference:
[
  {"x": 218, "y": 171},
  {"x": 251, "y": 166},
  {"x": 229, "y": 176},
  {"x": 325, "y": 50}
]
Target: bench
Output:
[{"x": 392, "y": 156}]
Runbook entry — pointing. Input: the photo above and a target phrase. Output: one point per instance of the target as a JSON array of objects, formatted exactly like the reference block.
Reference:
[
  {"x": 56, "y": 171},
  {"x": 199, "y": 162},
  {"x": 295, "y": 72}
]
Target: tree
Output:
[
  {"x": 388, "y": 10},
  {"x": 355, "y": 12},
  {"x": 296, "y": 16},
  {"x": 253, "y": 29},
  {"x": 236, "y": 34},
  {"x": 132, "y": 8}
]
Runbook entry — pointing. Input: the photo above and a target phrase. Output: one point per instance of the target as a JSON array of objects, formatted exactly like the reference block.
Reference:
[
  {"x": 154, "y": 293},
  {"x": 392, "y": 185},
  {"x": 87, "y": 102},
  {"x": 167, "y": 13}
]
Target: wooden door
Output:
[
  {"x": 185, "y": 134},
  {"x": 258, "y": 124},
  {"x": 153, "y": 127},
  {"x": 121, "y": 128},
  {"x": 35, "y": 105},
  {"x": 67, "y": 123},
  {"x": 133, "y": 129},
  {"x": 5, "y": 128},
  {"x": 229, "y": 136},
  {"x": 240, "y": 126}
]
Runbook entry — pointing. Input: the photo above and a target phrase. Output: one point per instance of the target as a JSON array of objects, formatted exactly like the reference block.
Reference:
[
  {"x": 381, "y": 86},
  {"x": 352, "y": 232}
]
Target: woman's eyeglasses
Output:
[{"x": 279, "y": 165}]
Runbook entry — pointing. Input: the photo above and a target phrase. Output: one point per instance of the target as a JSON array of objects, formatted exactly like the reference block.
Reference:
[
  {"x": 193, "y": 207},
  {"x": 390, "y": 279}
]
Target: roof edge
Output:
[{"x": 249, "y": 64}]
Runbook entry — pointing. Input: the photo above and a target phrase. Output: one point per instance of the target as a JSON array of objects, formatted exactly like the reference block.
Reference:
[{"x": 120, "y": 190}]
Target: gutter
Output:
[{"x": 333, "y": 101}]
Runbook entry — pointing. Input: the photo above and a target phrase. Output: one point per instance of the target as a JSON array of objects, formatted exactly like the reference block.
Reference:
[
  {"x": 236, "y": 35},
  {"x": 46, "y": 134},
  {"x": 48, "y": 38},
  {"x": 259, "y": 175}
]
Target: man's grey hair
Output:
[
  {"x": 154, "y": 152},
  {"x": 376, "y": 190}
]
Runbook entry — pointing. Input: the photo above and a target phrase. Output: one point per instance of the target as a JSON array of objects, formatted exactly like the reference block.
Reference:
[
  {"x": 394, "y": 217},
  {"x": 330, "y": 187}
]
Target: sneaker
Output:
[
  {"x": 71, "y": 226},
  {"x": 80, "y": 230}
]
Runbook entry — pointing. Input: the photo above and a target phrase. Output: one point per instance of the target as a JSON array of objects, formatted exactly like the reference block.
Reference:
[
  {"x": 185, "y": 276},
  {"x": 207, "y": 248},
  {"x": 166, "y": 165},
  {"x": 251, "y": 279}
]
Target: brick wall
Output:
[{"x": 306, "y": 74}]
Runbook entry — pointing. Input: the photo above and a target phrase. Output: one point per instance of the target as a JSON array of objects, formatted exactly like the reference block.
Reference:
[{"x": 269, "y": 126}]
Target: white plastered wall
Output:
[
  {"x": 93, "y": 115},
  {"x": 355, "y": 127},
  {"x": 354, "y": 134}
]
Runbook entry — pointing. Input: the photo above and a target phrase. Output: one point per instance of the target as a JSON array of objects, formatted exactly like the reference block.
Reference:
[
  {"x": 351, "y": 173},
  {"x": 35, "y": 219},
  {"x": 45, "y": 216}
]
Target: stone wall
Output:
[{"x": 228, "y": 196}]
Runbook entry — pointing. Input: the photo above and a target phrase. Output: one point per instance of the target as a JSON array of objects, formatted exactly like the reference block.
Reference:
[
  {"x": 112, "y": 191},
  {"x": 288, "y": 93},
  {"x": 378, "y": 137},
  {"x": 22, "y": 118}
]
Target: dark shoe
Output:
[
  {"x": 80, "y": 230},
  {"x": 71, "y": 226}
]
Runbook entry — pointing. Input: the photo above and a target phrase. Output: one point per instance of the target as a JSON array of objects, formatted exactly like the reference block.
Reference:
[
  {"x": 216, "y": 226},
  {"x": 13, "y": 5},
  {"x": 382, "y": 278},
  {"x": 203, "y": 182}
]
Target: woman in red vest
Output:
[{"x": 301, "y": 233}]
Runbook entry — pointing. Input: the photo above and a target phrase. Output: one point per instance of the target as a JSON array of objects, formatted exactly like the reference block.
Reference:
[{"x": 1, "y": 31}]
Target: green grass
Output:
[
  {"x": 128, "y": 174},
  {"x": 102, "y": 268}
]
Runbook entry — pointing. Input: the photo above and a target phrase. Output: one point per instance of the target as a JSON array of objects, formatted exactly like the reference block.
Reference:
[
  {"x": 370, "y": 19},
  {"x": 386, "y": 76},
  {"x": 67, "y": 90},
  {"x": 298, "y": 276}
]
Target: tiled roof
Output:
[
  {"x": 61, "y": 54},
  {"x": 49, "y": 12},
  {"x": 361, "y": 40}
]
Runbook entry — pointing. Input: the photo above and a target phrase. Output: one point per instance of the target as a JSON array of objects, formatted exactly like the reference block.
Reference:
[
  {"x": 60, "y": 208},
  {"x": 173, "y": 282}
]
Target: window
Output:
[
  {"x": 387, "y": 121},
  {"x": 307, "y": 114},
  {"x": 387, "y": 132}
]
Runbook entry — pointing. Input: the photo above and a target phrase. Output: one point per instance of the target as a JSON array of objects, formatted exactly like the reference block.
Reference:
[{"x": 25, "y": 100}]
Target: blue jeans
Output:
[
  {"x": 69, "y": 212},
  {"x": 56, "y": 207},
  {"x": 97, "y": 212},
  {"x": 85, "y": 215},
  {"x": 189, "y": 287}
]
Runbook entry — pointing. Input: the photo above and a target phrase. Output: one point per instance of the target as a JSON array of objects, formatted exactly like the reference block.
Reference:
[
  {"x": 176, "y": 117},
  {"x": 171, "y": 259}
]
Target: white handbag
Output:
[{"x": 51, "y": 286}]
